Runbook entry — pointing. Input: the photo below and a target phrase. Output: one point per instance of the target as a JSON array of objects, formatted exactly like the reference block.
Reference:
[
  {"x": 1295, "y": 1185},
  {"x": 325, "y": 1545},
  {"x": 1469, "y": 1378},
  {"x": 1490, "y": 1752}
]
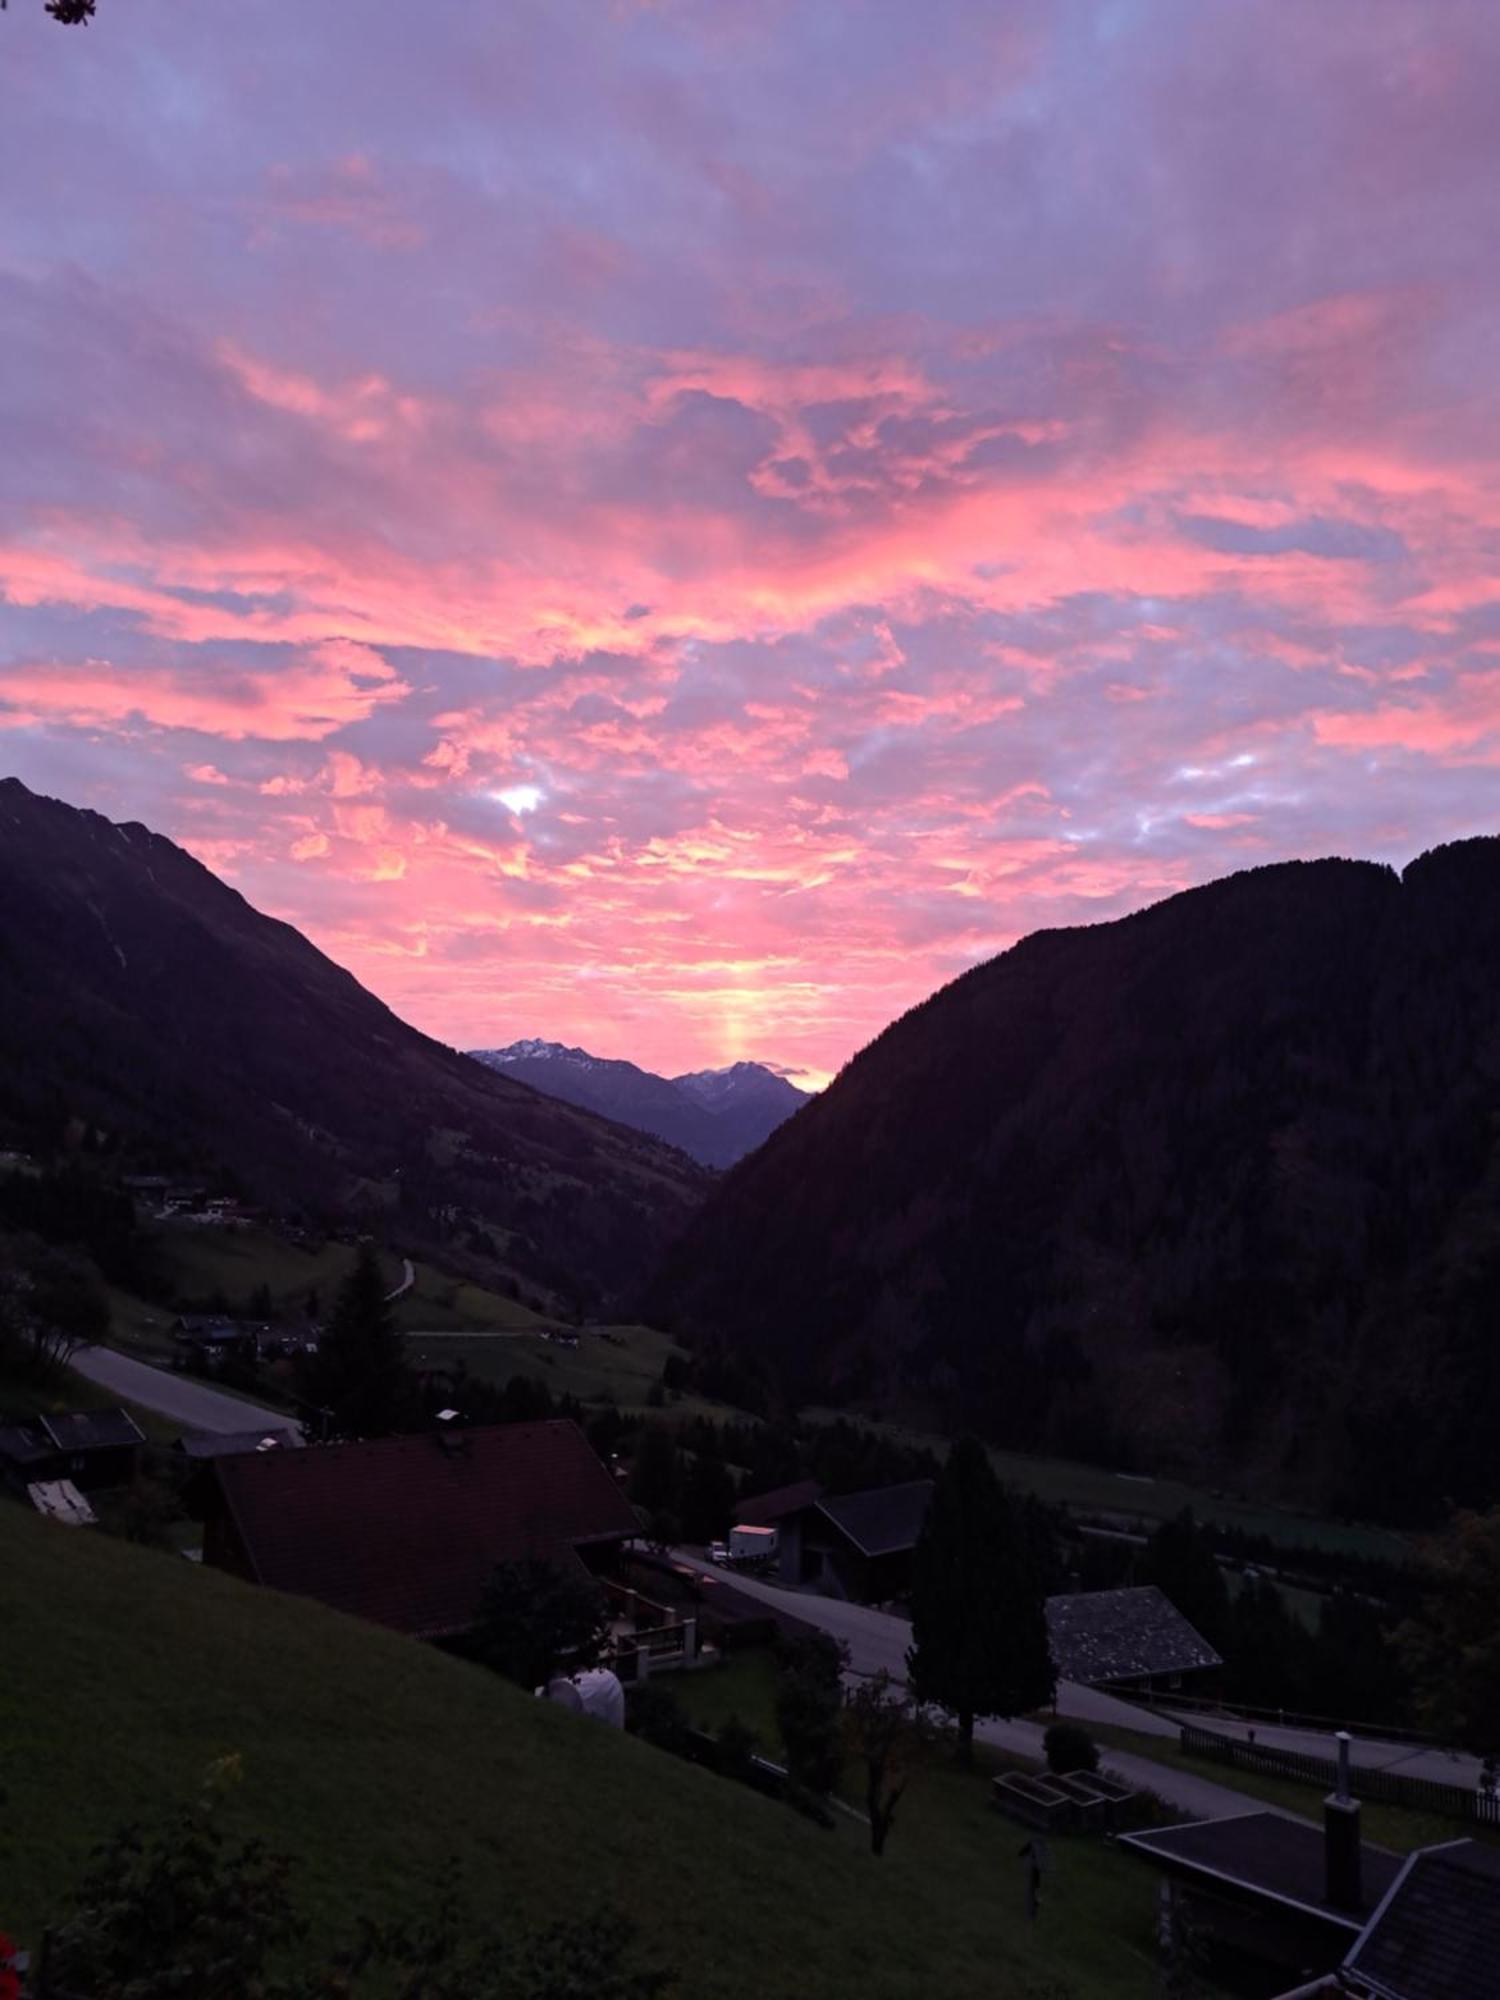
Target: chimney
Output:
[{"x": 1343, "y": 1889}]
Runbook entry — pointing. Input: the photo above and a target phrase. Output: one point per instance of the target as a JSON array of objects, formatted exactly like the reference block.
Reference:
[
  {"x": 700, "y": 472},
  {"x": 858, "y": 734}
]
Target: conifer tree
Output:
[
  {"x": 358, "y": 1382},
  {"x": 979, "y": 1626}
]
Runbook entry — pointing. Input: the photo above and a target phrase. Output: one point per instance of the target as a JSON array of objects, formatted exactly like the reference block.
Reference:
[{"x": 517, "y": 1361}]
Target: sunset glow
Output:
[{"x": 680, "y": 527}]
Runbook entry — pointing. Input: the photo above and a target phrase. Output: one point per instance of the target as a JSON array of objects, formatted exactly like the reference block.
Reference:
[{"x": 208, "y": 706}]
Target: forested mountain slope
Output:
[
  {"x": 1214, "y": 1188},
  {"x": 141, "y": 994}
]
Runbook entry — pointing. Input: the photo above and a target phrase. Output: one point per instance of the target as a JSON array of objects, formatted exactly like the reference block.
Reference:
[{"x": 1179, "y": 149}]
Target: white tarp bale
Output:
[
  {"x": 60, "y": 1500},
  {"x": 603, "y": 1696}
]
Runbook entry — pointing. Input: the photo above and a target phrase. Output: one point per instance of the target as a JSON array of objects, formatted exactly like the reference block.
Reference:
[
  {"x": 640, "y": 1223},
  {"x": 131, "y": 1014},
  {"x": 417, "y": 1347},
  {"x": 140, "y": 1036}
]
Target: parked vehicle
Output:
[{"x": 752, "y": 1545}]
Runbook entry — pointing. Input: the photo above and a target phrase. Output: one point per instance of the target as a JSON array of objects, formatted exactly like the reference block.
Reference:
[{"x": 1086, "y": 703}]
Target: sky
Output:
[{"x": 682, "y": 525}]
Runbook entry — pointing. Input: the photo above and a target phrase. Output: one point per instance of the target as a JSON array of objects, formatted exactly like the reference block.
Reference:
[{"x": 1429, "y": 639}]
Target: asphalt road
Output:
[
  {"x": 182, "y": 1400},
  {"x": 876, "y": 1639},
  {"x": 1411, "y": 1760}
]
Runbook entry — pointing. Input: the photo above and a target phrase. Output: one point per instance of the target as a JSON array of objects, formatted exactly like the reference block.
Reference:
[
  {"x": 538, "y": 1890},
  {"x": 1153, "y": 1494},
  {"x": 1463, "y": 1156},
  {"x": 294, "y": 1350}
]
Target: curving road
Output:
[
  {"x": 877, "y": 1639},
  {"x": 197, "y": 1406}
]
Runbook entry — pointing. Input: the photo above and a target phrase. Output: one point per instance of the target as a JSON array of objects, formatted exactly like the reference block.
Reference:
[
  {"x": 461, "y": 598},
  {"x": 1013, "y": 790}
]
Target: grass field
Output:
[
  {"x": 377, "y": 1760},
  {"x": 203, "y": 1262},
  {"x": 611, "y": 1364},
  {"x": 1088, "y": 1489}
]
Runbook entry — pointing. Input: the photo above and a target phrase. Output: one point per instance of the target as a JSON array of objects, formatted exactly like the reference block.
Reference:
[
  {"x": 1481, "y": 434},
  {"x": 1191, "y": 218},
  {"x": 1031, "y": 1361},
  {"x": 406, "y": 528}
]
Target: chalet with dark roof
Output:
[
  {"x": 90, "y": 1448},
  {"x": 1271, "y": 1888},
  {"x": 1105, "y": 1638},
  {"x": 855, "y": 1545},
  {"x": 405, "y": 1531}
]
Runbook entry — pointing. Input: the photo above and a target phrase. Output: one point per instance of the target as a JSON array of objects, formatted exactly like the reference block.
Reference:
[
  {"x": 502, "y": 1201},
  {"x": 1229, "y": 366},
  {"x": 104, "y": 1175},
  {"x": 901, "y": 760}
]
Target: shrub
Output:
[
  {"x": 655, "y": 1715},
  {"x": 1069, "y": 1747}
]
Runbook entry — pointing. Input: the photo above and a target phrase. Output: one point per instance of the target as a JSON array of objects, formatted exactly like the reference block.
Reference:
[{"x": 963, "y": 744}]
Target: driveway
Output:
[
  {"x": 876, "y": 1639},
  {"x": 197, "y": 1406}
]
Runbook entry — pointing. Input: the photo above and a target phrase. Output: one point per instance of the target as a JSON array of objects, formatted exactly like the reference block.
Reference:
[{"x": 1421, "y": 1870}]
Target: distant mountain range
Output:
[
  {"x": 142, "y": 995},
  {"x": 1213, "y": 1189},
  {"x": 716, "y": 1115}
]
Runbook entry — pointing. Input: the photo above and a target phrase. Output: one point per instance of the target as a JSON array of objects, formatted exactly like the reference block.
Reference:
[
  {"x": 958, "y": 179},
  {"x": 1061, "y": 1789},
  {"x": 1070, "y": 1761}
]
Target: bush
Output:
[
  {"x": 1069, "y": 1747},
  {"x": 737, "y": 1746},
  {"x": 654, "y": 1714}
]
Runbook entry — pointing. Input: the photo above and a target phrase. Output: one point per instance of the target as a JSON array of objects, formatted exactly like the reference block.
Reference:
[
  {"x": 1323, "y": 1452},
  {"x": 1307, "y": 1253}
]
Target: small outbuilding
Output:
[{"x": 90, "y": 1448}]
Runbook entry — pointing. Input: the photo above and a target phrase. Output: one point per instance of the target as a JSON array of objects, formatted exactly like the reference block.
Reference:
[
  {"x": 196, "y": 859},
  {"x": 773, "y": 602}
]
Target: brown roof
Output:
[
  {"x": 764, "y": 1510},
  {"x": 405, "y": 1531}
]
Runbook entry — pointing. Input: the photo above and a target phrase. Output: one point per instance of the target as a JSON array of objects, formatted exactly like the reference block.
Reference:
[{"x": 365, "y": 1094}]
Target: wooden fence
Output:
[
  {"x": 1397, "y": 1788},
  {"x": 1174, "y": 1701}
]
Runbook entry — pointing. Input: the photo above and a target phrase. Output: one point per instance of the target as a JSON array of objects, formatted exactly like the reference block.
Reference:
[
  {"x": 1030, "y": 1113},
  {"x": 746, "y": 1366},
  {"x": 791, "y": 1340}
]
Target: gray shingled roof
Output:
[
  {"x": 1436, "y": 1936},
  {"x": 1122, "y": 1635},
  {"x": 883, "y": 1522}
]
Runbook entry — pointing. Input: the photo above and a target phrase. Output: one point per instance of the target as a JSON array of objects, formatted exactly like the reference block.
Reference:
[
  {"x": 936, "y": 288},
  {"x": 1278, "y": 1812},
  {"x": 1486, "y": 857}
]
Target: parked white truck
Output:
[{"x": 749, "y": 1546}]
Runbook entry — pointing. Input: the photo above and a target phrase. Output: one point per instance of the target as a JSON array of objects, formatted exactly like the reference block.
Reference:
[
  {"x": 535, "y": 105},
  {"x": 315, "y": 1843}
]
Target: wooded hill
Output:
[
  {"x": 141, "y": 995},
  {"x": 1213, "y": 1189}
]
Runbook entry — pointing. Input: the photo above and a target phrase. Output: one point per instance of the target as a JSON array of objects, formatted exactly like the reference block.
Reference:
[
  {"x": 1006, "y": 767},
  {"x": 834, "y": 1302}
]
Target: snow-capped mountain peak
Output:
[{"x": 717, "y": 1115}]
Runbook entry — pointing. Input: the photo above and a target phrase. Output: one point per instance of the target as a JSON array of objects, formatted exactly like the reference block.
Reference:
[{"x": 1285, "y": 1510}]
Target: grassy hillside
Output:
[{"x": 376, "y": 1760}]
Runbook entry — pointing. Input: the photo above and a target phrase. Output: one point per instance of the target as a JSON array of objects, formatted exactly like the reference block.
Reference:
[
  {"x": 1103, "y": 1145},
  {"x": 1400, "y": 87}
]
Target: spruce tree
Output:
[
  {"x": 979, "y": 1625},
  {"x": 357, "y": 1381}
]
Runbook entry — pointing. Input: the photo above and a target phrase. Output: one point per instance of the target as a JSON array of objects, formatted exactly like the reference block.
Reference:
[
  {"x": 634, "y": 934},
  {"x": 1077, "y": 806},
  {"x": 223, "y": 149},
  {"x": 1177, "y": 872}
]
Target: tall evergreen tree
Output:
[
  {"x": 1179, "y": 1560},
  {"x": 357, "y": 1381},
  {"x": 979, "y": 1626}
]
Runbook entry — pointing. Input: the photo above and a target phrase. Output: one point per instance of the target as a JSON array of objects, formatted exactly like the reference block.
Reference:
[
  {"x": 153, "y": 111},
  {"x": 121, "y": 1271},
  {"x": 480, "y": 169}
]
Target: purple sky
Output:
[{"x": 680, "y": 527}]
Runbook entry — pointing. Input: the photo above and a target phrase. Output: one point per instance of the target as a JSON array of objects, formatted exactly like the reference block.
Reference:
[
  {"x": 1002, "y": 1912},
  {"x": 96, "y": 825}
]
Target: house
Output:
[
  {"x": 90, "y": 1448},
  {"x": 406, "y": 1531},
  {"x": 1436, "y": 1932},
  {"x": 1274, "y": 1889},
  {"x": 854, "y": 1545},
  {"x": 1102, "y": 1638}
]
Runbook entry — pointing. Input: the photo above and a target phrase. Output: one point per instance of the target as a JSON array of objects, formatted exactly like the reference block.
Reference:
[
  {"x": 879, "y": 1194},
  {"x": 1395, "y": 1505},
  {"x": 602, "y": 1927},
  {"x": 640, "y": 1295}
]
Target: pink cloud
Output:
[{"x": 325, "y": 690}]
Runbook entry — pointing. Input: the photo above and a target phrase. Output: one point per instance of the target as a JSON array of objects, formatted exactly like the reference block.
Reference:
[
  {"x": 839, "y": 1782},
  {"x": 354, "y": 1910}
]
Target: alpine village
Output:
[{"x": 750, "y": 1001}]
